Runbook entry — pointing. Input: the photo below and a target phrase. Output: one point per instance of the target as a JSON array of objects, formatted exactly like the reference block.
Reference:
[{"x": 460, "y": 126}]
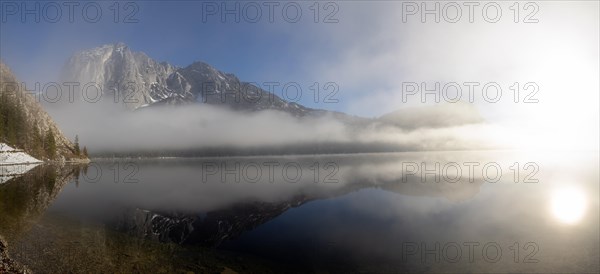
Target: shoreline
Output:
[{"x": 8, "y": 265}]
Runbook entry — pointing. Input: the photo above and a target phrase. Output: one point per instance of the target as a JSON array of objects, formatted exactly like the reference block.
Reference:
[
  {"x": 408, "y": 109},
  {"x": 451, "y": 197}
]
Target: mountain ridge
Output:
[
  {"x": 139, "y": 81},
  {"x": 278, "y": 122}
]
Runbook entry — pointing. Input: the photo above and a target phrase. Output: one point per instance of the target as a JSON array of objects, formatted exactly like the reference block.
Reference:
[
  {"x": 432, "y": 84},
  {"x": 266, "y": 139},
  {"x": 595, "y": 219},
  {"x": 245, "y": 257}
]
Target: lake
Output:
[{"x": 485, "y": 211}]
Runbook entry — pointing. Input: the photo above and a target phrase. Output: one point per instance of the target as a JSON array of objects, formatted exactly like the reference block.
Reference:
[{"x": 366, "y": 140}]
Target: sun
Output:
[{"x": 568, "y": 205}]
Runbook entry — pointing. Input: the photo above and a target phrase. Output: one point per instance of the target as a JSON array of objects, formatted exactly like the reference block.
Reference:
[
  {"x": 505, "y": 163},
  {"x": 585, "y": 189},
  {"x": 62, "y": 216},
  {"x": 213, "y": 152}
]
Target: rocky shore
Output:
[{"x": 7, "y": 265}]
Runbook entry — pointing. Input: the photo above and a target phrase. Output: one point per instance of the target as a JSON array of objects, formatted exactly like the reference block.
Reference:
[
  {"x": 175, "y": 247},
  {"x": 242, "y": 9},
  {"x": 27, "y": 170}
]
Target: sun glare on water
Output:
[{"x": 568, "y": 205}]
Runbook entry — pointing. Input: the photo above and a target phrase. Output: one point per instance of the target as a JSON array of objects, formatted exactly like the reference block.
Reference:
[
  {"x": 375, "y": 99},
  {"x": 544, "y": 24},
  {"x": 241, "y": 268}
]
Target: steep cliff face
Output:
[
  {"x": 137, "y": 81},
  {"x": 25, "y": 125},
  {"x": 125, "y": 76}
]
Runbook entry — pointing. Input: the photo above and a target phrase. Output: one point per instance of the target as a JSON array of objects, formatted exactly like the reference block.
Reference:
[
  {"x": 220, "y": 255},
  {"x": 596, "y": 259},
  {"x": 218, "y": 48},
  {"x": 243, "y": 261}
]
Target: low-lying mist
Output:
[{"x": 198, "y": 128}]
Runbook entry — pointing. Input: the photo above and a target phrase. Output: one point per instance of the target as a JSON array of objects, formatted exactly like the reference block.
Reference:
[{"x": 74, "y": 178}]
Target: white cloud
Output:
[{"x": 559, "y": 54}]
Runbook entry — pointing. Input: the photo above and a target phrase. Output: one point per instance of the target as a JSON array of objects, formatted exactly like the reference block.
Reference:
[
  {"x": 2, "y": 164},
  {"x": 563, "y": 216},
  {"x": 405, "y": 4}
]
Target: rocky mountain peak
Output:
[
  {"x": 139, "y": 81},
  {"x": 132, "y": 77}
]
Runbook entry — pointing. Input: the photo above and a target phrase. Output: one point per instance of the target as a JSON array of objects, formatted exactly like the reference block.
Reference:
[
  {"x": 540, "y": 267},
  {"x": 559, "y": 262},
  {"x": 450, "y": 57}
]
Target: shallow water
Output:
[{"x": 400, "y": 212}]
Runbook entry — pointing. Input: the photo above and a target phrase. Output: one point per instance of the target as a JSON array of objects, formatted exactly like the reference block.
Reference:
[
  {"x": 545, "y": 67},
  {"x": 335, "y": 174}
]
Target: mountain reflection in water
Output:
[{"x": 366, "y": 212}]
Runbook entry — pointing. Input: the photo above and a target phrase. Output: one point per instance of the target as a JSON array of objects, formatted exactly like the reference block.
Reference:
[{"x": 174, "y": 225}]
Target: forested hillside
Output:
[{"x": 25, "y": 125}]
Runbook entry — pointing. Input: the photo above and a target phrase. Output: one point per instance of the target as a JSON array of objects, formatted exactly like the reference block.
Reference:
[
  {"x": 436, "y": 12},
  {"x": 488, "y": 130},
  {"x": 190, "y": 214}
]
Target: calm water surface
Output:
[{"x": 401, "y": 212}]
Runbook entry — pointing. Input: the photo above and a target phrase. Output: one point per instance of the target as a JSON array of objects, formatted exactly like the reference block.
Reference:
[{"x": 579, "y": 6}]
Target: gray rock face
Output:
[
  {"x": 211, "y": 86},
  {"x": 136, "y": 81},
  {"x": 131, "y": 78}
]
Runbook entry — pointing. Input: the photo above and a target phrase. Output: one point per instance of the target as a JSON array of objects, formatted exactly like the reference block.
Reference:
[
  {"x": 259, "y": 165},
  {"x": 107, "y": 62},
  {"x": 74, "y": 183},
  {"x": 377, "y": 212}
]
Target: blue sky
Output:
[
  {"x": 175, "y": 32},
  {"x": 370, "y": 53}
]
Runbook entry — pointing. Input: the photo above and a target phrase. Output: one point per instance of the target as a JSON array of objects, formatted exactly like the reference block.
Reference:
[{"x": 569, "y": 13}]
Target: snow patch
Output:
[
  {"x": 11, "y": 156},
  {"x": 14, "y": 163}
]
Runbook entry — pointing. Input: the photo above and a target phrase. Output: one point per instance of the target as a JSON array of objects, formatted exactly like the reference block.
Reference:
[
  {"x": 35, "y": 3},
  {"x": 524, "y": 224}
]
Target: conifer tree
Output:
[
  {"x": 77, "y": 150},
  {"x": 50, "y": 145}
]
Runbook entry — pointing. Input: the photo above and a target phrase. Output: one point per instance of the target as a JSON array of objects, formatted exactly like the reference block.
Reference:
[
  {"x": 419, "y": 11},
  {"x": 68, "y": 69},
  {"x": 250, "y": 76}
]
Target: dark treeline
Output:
[
  {"x": 25, "y": 125},
  {"x": 20, "y": 130},
  {"x": 298, "y": 149},
  {"x": 17, "y": 130}
]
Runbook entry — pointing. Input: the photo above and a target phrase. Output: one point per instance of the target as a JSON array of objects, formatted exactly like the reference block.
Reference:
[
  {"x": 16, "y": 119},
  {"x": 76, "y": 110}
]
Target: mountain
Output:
[
  {"x": 25, "y": 125},
  {"x": 138, "y": 84},
  {"x": 129, "y": 77},
  {"x": 137, "y": 81}
]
